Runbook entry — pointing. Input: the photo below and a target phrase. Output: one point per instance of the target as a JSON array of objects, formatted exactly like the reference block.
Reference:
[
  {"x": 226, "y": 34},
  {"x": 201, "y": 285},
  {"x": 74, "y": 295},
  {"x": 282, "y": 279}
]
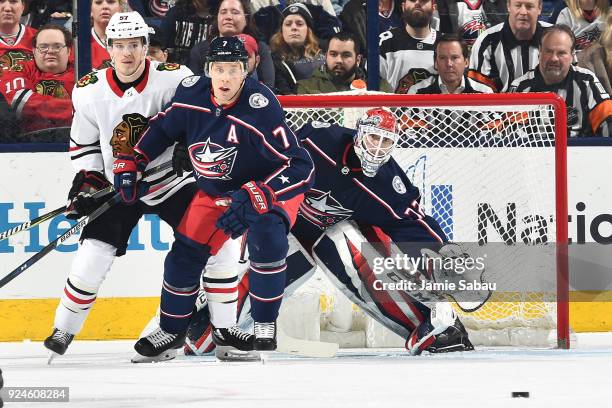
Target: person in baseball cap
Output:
[{"x": 251, "y": 47}]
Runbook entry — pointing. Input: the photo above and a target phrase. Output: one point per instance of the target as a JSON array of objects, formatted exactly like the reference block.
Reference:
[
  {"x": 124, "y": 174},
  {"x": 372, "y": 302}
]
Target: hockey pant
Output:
[{"x": 197, "y": 238}]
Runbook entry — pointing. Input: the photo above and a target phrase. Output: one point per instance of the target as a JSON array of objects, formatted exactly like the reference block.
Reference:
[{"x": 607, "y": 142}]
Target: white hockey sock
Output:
[
  {"x": 92, "y": 262},
  {"x": 223, "y": 315}
]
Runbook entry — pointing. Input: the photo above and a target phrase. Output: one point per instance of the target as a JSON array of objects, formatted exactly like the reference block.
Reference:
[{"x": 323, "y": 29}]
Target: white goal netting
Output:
[{"x": 488, "y": 173}]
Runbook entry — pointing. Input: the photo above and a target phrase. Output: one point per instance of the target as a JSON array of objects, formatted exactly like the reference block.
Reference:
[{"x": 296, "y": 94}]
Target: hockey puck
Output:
[{"x": 520, "y": 394}]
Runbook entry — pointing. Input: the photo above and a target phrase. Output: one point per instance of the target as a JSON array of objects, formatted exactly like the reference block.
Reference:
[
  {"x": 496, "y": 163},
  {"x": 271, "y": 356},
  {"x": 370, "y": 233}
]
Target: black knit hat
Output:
[{"x": 301, "y": 9}]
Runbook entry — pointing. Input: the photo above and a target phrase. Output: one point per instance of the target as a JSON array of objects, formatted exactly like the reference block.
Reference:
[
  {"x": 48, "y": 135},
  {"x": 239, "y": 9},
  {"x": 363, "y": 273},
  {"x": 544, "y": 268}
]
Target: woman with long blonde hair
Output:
[
  {"x": 295, "y": 49},
  {"x": 586, "y": 19},
  {"x": 598, "y": 58}
]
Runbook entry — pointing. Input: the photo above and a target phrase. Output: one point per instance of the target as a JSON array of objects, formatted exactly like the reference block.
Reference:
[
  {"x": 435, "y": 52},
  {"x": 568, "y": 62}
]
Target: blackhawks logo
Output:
[
  {"x": 168, "y": 66},
  {"x": 52, "y": 88},
  {"x": 88, "y": 79},
  {"x": 414, "y": 76},
  {"x": 12, "y": 60},
  {"x": 127, "y": 133}
]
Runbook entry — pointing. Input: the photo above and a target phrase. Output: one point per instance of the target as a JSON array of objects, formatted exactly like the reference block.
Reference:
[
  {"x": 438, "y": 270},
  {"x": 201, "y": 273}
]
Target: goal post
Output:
[{"x": 518, "y": 141}]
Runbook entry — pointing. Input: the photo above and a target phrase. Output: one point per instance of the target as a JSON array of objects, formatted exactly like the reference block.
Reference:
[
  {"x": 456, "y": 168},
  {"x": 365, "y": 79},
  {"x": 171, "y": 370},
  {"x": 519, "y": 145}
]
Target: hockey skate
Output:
[
  {"x": 233, "y": 344},
  {"x": 58, "y": 343},
  {"x": 157, "y": 346},
  {"x": 441, "y": 318},
  {"x": 265, "y": 336},
  {"x": 455, "y": 338}
]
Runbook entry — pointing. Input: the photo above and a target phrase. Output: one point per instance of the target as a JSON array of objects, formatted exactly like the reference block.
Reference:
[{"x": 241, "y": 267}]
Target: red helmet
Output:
[{"x": 375, "y": 139}]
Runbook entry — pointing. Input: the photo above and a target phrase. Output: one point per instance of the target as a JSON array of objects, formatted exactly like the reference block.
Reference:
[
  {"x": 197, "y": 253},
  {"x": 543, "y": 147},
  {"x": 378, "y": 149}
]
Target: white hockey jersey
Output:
[
  {"x": 108, "y": 122},
  {"x": 587, "y": 32}
]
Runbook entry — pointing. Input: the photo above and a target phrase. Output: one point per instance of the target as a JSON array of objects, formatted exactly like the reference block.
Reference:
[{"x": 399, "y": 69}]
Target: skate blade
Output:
[
  {"x": 227, "y": 353},
  {"x": 52, "y": 355},
  {"x": 165, "y": 356}
]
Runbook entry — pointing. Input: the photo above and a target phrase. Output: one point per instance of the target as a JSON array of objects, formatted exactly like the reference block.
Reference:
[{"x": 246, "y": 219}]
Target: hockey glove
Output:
[
  {"x": 80, "y": 199},
  {"x": 248, "y": 204},
  {"x": 128, "y": 171},
  {"x": 180, "y": 160}
]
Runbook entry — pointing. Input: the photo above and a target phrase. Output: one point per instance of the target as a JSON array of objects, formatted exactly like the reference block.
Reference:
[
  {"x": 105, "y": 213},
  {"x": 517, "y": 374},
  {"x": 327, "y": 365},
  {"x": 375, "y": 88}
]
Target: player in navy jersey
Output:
[
  {"x": 251, "y": 172},
  {"x": 361, "y": 195}
]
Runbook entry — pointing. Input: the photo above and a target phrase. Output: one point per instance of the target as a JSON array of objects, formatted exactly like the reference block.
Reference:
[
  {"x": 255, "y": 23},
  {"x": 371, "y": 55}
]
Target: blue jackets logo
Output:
[
  {"x": 211, "y": 160},
  {"x": 322, "y": 210}
]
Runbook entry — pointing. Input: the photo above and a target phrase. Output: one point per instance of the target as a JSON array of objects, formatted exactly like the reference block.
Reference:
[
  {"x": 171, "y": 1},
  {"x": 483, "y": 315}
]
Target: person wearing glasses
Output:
[{"x": 39, "y": 90}]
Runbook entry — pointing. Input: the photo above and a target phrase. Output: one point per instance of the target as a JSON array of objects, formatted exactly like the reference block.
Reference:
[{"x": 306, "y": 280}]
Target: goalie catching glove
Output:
[
  {"x": 248, "y": 204},
  {"x": 80, "y": 197},
  {"x": 128, "y": 169}
]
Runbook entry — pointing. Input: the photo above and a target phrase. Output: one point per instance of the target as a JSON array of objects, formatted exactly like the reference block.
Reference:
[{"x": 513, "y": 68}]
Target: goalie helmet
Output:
[
  {"x": 127, "y": 25},
  {"x": 375, "y": 139},
  {"x": 227, "y": 49}
]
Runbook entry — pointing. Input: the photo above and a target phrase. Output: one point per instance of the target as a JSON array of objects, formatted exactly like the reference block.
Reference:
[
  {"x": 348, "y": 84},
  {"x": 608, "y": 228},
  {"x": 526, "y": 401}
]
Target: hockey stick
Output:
[
  {"x": 45, "y": 217},
  {"x": 53, "y": 244},
  {"x": 74, "y": 230},
  {"x": 304, "y": 348}
]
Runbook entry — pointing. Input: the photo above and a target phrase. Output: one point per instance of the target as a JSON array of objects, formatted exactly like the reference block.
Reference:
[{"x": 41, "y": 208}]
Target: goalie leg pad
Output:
[
  {"x": 347, "y": 258},
  {"x": 92, "y": 262}
]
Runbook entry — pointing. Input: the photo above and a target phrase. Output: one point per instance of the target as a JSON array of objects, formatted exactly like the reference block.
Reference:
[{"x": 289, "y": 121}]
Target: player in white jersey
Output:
[{"x": 112, "y": 107}]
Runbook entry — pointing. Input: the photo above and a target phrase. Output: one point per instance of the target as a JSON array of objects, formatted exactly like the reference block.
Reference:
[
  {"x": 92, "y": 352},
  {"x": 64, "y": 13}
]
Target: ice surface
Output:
[{"x": 99, "y": 374}]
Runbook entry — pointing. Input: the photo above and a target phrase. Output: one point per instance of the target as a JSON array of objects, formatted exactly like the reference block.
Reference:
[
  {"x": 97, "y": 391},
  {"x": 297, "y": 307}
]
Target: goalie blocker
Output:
[{"x": 339, "y": 254}]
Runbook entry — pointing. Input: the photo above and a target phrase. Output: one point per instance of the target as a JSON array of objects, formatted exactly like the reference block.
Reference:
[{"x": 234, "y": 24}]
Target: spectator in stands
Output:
[
  {"x": 40, "y": 12},
  {"x": 585, "y": 18},
  {"x": 157, "y": 50},
  {"x": 451, "y": 59},
  {"x": 268, "y": 16},
  {"x": 406, "y": 53},
  {"x": 341, "y": 68},
  {"x": 589, "y": 108},
  {"x": 101, "y": 12},
  {"x": 235, "y": 17},
  {"x": 295, "y": 49},
  {"x": 506, "y": 51},
  {"x": 598, "y": 57},
  {"x": 39, "y": 90},
  {"x": 185, "y": 25},
  {"x": 15, "y": 38},
  {"x": 251, "y": 47},
  {"x": 150, "y": 9},
  {"x": 470, "y": 18},
  {"x": 353, "y": 18}
]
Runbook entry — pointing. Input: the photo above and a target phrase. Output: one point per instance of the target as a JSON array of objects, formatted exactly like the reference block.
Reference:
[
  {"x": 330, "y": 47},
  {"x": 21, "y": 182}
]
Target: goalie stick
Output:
[
  {"x": 75, "y": 229},
  {"x": 48, "y": 216}
]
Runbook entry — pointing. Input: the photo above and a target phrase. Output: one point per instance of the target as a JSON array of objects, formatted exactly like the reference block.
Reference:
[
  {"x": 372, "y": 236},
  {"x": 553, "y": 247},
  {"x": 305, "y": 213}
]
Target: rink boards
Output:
[{"x": 35, "y": 183}]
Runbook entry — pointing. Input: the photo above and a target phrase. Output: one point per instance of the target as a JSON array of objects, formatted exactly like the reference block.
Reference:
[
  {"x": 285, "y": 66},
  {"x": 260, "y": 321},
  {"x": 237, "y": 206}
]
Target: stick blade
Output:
[{"x": 305, "y": 348}]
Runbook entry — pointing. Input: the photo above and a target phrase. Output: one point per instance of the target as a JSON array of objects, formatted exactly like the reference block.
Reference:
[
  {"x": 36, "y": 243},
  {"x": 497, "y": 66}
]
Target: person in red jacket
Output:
[
  {"x": 15, "y": 38},
  {"x": 39, "y": 90}
]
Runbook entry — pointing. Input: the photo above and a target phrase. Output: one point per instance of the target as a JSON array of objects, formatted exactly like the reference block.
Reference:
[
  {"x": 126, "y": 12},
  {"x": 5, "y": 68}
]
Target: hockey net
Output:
[{"x": 491, "y": 168}]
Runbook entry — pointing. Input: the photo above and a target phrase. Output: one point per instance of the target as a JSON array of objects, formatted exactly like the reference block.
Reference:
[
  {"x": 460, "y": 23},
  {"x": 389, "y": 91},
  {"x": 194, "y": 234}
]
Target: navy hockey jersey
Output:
[
  {"x": 232, "y": 145},
  {"x": 342, "y": 192}
]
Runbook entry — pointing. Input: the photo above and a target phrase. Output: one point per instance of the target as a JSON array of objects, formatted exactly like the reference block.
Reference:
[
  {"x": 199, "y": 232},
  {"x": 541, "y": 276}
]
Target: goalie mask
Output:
[{"x": 375, "y": 139}]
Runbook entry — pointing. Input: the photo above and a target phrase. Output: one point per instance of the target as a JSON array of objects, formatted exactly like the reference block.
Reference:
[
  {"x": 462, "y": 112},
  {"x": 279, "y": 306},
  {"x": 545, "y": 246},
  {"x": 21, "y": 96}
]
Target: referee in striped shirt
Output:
[
  {"x": 508, "y": 50},
  {"x": 589, "y": 108}
]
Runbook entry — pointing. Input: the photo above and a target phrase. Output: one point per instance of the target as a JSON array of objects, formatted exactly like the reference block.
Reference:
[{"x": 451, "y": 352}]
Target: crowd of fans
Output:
[{"x": 318, "y": 46}]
